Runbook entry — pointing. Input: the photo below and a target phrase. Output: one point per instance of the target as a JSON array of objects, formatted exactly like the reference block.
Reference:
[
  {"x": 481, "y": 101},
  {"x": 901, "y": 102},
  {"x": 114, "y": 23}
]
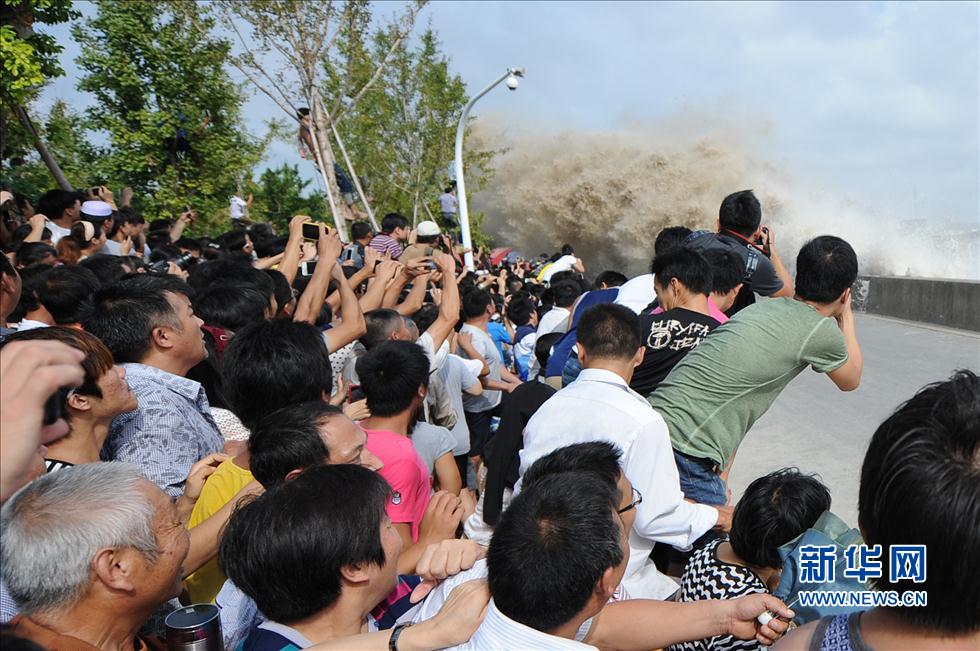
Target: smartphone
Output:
[
  {"x": 311, "y": 231},
  {"x": 355, "y": 393},
  {"x": 307, "y": 268},
  {"x": 94, "y": 191}
]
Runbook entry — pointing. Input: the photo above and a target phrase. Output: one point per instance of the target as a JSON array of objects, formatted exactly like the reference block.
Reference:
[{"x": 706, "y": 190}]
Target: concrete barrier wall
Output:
[{"x": 951, "y": 303}]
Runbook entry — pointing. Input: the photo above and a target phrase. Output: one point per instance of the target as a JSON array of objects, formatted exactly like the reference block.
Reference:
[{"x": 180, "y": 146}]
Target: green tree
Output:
[
  {"x": 283, "y": 44},
  {"x": 29, "y": 58},
  {"x": 64, "y": 132},
  {"x": 168, "y": 107},
  {"x": 402, "y": 136},
  {"x": 279, "y": 196}
]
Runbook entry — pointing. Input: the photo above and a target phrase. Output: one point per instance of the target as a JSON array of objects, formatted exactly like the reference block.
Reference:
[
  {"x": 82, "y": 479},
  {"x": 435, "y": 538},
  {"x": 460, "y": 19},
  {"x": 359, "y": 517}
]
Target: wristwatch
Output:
[{"x": 395, "y": 634}]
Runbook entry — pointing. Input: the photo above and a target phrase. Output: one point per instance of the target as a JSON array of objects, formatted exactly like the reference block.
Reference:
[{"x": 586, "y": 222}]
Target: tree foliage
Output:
[
  {"x": 29, "y": 57},
  {"x": 401, "y": 137},
  {"x": 283, "y": 45},
  {"x": 279, "y": 196},
  {"x": 64, "y": 131},
  {"x": 170, "y": 111}
]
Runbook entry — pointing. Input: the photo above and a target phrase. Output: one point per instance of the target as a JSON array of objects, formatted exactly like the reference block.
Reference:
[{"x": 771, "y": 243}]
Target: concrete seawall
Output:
[{"x": 950, "y": 303}]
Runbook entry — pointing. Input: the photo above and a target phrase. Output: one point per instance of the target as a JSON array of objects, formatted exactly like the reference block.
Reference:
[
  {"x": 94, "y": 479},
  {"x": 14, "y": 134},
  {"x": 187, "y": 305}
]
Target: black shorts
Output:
[{"x": 478, "y": 423}]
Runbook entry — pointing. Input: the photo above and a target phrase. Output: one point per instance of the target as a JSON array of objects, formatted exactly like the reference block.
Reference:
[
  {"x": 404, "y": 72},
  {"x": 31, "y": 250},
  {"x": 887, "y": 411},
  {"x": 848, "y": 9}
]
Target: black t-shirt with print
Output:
[{"x": 668, "y": 336}]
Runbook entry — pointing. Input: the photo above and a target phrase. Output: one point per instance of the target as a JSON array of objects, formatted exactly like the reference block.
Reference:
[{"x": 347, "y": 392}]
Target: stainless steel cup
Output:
[{"x": 194, "y": 628}]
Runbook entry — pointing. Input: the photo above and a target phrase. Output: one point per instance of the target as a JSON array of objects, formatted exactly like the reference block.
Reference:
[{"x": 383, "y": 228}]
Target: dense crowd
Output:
[{"x": 366, "y": 445}]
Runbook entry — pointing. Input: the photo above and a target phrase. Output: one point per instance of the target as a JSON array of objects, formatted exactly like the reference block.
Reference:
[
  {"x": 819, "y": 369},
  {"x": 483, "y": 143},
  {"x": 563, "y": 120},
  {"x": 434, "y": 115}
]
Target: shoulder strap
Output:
[{"x": 751, "y": 263}]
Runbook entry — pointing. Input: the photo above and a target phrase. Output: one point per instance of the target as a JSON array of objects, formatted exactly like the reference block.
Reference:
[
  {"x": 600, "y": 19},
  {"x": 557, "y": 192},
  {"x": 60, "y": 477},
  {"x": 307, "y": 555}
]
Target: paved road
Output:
[{"x": 819, "y": 429}]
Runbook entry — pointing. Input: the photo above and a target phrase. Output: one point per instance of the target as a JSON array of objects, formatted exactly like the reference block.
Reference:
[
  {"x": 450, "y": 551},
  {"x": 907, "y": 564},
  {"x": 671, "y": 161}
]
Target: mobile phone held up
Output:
[{"x": 311, "y": 231}]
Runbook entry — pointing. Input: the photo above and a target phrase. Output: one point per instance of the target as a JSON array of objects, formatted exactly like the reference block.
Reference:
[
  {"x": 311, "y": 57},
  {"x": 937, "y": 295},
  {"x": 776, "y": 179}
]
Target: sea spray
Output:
[{"x": 609, "y": 193}]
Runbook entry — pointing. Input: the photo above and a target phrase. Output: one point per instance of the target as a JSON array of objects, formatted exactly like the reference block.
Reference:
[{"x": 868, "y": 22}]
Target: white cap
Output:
[
  {"x": 96, "y": 209},
  {"x": 427, "y": 229}
]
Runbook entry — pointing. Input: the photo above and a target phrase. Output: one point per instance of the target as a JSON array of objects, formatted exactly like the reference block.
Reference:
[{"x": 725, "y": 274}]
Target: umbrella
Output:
[{"x": 497, "y": 255}]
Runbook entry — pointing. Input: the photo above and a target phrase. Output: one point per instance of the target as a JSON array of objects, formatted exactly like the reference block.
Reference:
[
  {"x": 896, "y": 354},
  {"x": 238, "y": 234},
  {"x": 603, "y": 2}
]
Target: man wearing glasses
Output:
[
  {"x": 600, "y": 406},
  {"x": 555, "y": 564}
]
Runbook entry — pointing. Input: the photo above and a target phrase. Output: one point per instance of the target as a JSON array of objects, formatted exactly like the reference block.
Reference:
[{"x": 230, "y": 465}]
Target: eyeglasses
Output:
[{"x": 637, "y": 499}]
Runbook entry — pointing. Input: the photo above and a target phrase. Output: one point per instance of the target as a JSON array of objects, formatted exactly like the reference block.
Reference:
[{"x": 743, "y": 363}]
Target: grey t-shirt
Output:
[
  {"x": 456, "y": 378},
  {"x": 488, "y": 350},
  {"x": 765, "y": 280},
  {"x": 431, "y": 442}
]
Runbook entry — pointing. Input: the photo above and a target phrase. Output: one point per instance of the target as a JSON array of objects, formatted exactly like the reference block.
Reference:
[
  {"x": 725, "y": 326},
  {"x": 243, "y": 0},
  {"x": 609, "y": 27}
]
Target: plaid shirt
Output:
[
  {"x": 8, "y": 609},
  {"x": 170, "y": 430}
]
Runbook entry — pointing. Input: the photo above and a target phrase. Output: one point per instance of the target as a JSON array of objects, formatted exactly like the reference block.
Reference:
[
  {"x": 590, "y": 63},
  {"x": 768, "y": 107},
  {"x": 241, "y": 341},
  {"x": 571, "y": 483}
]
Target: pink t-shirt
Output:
[
  {"x": 407, "y": 475},
  {"x": 713, "y": 312}
]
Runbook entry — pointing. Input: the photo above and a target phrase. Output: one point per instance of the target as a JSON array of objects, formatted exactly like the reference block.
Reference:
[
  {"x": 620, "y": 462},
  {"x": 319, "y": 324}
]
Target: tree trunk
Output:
[
  {"x": 355, "y": 180},
  {"x": 415, "y": 209},
  {"x": 42, "y": 149},
  {"x": 319, "y": 130}
]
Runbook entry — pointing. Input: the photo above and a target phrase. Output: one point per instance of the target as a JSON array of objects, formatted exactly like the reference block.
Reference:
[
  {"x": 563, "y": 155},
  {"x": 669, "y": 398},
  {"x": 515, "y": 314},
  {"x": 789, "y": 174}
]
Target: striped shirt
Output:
[
  {"x": 54, "y": 465},
  {"x": 384, "y": 243}
]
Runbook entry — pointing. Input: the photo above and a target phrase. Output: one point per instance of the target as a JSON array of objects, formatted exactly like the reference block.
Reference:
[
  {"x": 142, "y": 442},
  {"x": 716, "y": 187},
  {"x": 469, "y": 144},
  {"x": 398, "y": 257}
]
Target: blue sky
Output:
[{"x": 879, "y": 102}]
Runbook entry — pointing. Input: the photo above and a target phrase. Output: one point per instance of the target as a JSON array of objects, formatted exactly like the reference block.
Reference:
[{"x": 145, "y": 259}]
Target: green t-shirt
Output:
[{"x": 718, "y": 391}]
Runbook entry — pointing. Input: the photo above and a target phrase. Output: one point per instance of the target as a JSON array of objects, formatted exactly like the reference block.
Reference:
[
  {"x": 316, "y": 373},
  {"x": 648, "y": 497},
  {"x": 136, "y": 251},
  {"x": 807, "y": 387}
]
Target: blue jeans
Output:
[{"x": 699, "y": 481}]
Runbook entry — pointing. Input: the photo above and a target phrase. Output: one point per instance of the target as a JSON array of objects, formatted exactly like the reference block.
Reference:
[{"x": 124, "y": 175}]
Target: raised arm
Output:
[
  {"x": 291, "y": 256},
  {"x": 177, "y": 230},
  {"x": 416, "y": 296},
  {"x": 450, "y": 306},
  {"x": 383, "y": 274},
  {"x": 848, "y": 376},
  {"x": 769, "y": 238},
  {"x": 352, "y": 325},
  {"x": 395, "y": 286},
  {"x": 328, "y": 248}
]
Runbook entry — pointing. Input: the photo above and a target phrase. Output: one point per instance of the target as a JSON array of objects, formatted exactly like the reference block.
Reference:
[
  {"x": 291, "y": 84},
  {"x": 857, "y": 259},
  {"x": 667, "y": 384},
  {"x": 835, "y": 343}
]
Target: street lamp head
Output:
[{"x": 512, "y": 82}]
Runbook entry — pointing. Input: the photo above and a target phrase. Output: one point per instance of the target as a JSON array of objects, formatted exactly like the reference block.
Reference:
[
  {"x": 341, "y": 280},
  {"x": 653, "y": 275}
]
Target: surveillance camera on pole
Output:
[{"x": 512, "y": 77}]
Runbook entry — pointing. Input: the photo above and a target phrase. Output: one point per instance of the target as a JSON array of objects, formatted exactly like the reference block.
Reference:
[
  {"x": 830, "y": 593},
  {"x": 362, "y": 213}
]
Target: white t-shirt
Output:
[
  {"x": 57, "y": 232},
  {"x": 564, "y": 263},
  {"x": 488, "y": 350},
  {"x": 237, "y": 208},
  {"x": 457, "y": 375},
  {"x": 554, "y": 320},
  {"x": 637, "y": 293}
]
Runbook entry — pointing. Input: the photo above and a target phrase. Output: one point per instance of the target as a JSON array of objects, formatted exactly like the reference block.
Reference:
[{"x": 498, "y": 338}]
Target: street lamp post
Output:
[{"x": 511, "y": 76}]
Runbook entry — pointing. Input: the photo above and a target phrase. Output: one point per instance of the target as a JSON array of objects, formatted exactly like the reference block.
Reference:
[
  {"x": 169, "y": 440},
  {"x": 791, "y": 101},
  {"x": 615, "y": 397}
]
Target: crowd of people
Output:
[{"x": 359, "y": 443}]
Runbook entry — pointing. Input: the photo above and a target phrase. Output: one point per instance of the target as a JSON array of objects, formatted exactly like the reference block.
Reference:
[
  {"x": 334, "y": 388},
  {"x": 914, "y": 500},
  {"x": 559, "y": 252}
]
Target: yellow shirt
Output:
[{"x": 219, "y": 489}]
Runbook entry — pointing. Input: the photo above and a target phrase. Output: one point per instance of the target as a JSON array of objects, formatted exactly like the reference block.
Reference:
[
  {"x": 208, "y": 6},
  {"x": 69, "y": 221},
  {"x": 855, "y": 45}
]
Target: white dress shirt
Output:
[
  {"x": 599, "y": 406},
  {"x": 497, "y": 630}
]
